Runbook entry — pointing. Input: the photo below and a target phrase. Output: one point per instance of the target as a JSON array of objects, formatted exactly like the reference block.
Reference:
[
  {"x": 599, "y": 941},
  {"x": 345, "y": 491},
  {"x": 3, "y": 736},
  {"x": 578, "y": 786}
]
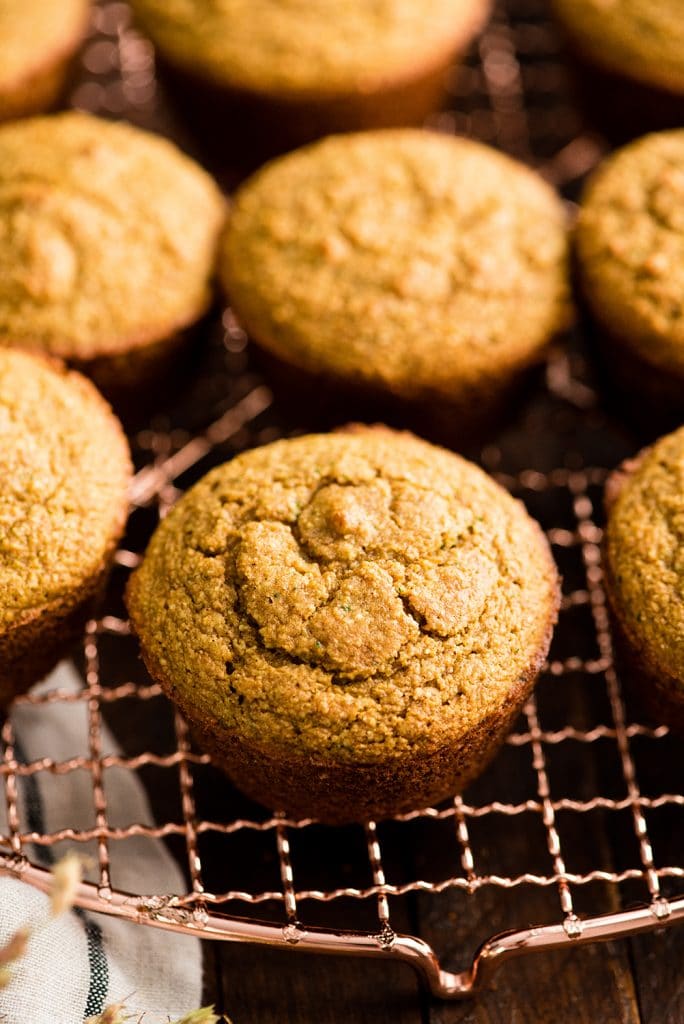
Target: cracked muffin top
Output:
[
  {"x": 32, "y": 34},
  {"x": 64, "y": 470},
  {"x": 297, "y": 47},
  {"x": 645, "y": 554},
  {"x": 630, "y": 244},
  {"x": 107, "y": 236},
  {"x": 406, "y": 259},
  {"x": 357, "y": 593},
  {"x": 643, "y": 39}
]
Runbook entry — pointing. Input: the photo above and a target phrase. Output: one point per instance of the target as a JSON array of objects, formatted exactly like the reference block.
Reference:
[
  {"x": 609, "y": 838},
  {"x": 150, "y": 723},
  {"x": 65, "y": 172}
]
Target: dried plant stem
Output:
[{"x": 65, "y": 882}]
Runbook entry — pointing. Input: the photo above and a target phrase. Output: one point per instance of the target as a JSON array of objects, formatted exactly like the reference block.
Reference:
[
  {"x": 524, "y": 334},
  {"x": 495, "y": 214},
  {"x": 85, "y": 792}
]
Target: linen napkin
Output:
[{"x": 81, "y": 962}]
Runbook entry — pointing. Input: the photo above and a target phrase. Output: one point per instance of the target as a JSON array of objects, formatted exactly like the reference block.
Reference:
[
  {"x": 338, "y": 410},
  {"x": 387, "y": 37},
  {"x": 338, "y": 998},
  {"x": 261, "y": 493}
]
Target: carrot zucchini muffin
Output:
[
  {"x": 64, "y": 471},
  {"x": 107, "y": 245},
  {"x": 350, "y": 622},
  {"x": 630, "y": 61},
  {"x": 630, "y": 254},
  {"x": 293, "y": 71},
  {"x": 37, "y": 42},
  {"x": 644, "y": 551},
  {"x": 419, "y": 273}
]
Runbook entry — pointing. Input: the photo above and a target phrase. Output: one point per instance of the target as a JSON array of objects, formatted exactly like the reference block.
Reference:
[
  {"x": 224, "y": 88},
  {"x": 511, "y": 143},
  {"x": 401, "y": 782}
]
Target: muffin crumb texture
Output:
[
  {"x": 630, "y": 240},
  {"x": 35, "y": 33},
  {"x": 107, "y": 236},
  {"x": 643, "y": 39},
  {"x": 295, "y": 48},
  {"x": 64, "y": 469},
  {"x": 645, "y": 553},
  {"x": 412, "y": 261},
  {"x": 353, "y": 596}
]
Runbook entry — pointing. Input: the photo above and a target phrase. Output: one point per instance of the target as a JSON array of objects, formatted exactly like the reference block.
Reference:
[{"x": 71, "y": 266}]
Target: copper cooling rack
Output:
[{"x": 255, "y": 876}]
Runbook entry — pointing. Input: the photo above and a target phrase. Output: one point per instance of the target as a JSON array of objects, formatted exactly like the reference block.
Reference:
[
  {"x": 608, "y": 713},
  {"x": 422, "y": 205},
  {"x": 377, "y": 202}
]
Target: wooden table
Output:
[{"x": 638, "y": 981}]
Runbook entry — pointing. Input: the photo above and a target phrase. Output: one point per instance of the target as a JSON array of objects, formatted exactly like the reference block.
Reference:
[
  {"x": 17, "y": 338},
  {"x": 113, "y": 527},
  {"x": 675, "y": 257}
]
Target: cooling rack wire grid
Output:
[{"x": 511, "y": 94}]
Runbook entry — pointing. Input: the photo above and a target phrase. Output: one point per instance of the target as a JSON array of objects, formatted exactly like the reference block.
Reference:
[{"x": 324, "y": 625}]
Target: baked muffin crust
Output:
[
  {"x": 645, "y": 556},
  {"x": 295, "y": 49},
  {"x": 64, "y": 467},
  {"x": 630, "y": 246},
  {"x": 407, "y": 260},
  {"x": 36, "y": 41},
  {"x": 107, "y": 237},
  {"x": 64, "y": 471},
  {"x": 642, "y": 39},
  {"x": 353, "y": 599}
]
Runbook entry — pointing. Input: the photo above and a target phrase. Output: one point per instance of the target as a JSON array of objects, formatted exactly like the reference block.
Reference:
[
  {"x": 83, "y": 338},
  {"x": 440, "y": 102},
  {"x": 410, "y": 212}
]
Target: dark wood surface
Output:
[{"x": 638, "y": 981}]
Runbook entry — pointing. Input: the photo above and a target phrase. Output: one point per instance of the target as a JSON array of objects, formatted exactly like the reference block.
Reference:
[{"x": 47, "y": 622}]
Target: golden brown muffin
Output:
[
  {"x": 107, "y": 246},
  {"x": 644, "y": 551},
  {"x": 286, "y": 73},
  {"x": 64, "y": 472},
  {"x": 417, "y": 274},
  {"x": 38, "y": 40},
  {"x": 350, "y": 622},
  {"x": 630, "y": 255},
  {"x": 629, "y": 56}
]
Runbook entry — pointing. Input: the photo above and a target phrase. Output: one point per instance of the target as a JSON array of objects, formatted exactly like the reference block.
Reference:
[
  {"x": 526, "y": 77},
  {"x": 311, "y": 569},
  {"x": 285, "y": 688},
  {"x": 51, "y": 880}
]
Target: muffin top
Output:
[
  {"x": 356, "y": 594},
  {"x": 64, "y": 470},
  {"x": 310, "y": 46},
  {"x": 36, "y": 32},
  {"x": 403, "y": 258},
  {"x": 645, "y": 549},
  {"x": 107, "y": 236},
  {"x": 643, "y": 39},
  {"x": 630, "y": 243}
]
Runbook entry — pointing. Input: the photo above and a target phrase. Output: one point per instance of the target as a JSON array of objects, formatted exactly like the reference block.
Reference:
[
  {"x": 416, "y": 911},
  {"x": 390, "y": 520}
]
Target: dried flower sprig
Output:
[
  {"x": 66, "y": 878},
  {"x": 12, "y": 951},
  {"x": 205, "y": 1015},
  {"x": 113, "y": 1014}
]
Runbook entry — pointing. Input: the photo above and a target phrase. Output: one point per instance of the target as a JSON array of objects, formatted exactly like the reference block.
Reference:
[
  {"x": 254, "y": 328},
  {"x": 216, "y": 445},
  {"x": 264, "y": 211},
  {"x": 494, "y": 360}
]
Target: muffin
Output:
[
  {"x": 64, "y": 471},
  {"x": 37, "y": 43},
  {"x": 404, "y": 275},
  {"x": 108, "y": 239},
  {"x": 349, "y": 622},
  {"x": 629, "y": 62},
  {"x": 630, "y": 256},
  {"x": 644, "y": 569},
  {"x": 282, "y": 74}
]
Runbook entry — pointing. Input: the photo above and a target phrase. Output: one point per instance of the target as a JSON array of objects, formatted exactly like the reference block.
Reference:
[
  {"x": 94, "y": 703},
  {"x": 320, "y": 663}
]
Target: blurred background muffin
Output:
[
  {"x": 398, "y": 275},
  {"x": 38, "y": 40},
  {"x": 283, "y": 73},
  {"x": 629, "y": 62},
  {"x": 107, "y": 248},
  {"x": 630, "y": 257},
  {"x": 644, "y": 558},
  {"x": 64, "y": 471},
  {"x": 350, "y": 622}
]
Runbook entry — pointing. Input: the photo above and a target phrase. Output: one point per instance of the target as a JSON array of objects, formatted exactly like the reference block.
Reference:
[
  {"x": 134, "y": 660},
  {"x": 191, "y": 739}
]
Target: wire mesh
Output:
[{"x": 512, "y": 93}]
